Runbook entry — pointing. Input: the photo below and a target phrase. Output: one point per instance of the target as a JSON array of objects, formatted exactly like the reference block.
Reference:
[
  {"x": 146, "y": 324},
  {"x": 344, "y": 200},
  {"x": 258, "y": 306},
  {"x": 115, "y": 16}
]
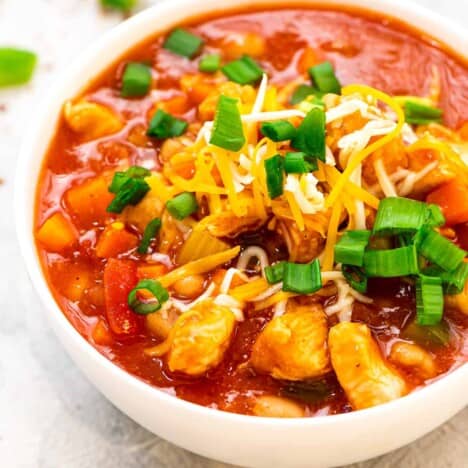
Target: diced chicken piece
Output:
[
  {"x": 360, "y": 368},
  {"x": 413, "y": 359},
  {"x": 294, "y": 345},
  {"x": 270, "y": 406},
  {"x": 303, "y": 246},
  {"x": 246, "y": 94},
  {"x": 91, "y": 120},
  {"x": 198, "y": 340},
  {"x": 393, "y": 156}
]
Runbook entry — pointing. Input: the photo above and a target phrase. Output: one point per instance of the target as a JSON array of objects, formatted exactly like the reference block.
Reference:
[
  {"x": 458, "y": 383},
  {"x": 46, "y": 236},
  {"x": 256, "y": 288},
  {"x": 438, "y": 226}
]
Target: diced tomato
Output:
[
  {"x": 462, "y": 235},
  {"x": 114, "y": 240},
  {"x": 452, "y": 197},
  {"x": 120, "y": 277},
  {"x": 101, "y": 334},
  {"x": 177, "y": 105},
  {"x": 185, "y": 169}
]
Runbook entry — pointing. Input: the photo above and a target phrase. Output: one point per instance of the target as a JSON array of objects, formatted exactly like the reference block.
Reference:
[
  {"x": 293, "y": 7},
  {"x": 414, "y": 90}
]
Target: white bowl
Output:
[{"x": 244, "y": 440}]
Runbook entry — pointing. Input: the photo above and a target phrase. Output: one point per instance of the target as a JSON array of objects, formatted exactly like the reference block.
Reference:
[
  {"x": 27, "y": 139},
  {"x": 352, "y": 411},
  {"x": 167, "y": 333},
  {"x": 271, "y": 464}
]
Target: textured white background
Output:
[{"x": 50, "y": 416}]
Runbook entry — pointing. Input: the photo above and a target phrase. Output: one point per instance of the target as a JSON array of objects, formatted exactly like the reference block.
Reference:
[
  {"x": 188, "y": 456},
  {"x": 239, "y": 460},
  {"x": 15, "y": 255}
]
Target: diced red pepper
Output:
[
  {"x": 462, "y": 235},
  {"x": 120, "y": 277}
]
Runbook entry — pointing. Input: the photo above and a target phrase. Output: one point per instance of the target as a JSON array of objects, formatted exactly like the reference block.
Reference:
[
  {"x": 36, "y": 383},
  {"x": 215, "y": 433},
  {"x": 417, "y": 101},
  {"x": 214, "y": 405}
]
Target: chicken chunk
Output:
[
  {"x": 360, "y": 368},
  {"x": 413, "y": 359},
  {"x": 198, "y": 340},
  {"x": 91, "y": 120},
  {"x": 294, "y": 345},
  {"x": 270, "y": 406}
]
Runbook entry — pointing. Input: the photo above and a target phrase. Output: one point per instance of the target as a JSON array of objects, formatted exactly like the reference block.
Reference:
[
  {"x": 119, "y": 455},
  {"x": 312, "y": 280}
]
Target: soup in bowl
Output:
[{"x": 265, "y": 212}]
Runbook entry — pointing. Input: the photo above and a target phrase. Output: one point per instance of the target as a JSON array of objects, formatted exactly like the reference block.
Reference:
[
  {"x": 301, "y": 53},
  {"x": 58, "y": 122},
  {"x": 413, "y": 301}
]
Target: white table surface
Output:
[{"x": 50, "y": 415}]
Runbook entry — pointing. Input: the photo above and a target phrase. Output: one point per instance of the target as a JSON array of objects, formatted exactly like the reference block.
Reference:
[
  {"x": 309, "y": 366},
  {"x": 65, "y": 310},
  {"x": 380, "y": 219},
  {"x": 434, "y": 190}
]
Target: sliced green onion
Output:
[
  {"x": 311, "y": 103},
  {"x": 274, "y": 273},
  {"x": 210, "y": 63},
  {"x": 356, "y": 277},
  {"x": 228, "y": 132},
  {"x": 16, "y": 66},
  {"x": 182, "y": 42},
  {"x": 429, "y": 300},
  {"x": 159, "y": 293},
  {"x": 151, "y": 230},
  {"x": 453, "y": 281},
  {"x": 302, "y": 92},
  {"x": 421, "y": 114},
  {"x": 429, "y": 336},
  {"x": 124, "y": 5},
  {"x": 310, "y": 136},
  {"x": 182, "y": 205},
  {"x": 274, "y": 175},
  {"x": 133, "y": 172},
  {"x": 324, "y": 78},
  {"x": 439, "y": 250},
  {"x": 391, "y": 263},
  {"x": 299, "y": 163},
  {"x": 279, "y": 130},
  {"x": 302, "y": 278},
  {"x": 350, "y": 248},
  {"x": 164, "y": 125},
  {"x": 243, "y": 71},
  {"x": 397, "y": 215},
  {"x": 130, "y": 193},
  {"x": 435, "y": 217},
  {"x": 136, "y": 80}
]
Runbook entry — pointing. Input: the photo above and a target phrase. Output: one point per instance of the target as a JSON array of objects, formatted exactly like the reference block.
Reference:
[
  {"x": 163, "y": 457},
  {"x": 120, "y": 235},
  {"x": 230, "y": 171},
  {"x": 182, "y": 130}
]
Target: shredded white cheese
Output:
[
  {"x": 388, "y": 188},
  {"x": 253, "y": 252},
  {"x": 305, "y": 192},
  {"x": 260, "y": 99},
  {"x": 228, "y": 301},
  {"x": 184, "y": 306},
  {"x": 228, "y": 277}
]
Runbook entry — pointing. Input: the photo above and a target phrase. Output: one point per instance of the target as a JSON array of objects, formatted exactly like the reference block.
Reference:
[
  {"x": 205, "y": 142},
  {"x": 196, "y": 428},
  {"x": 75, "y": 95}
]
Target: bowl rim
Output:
[{"x": 450, "y": 34}]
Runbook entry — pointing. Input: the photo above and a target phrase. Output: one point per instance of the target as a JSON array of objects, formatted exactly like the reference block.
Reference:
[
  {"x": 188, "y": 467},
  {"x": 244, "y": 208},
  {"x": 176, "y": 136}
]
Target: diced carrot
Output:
[
  {"x": 177, "y": 105},
  {"x": 307, "y": 59},
  {"x": 238, "y": 44},
  {"x": 101, "y": 334},
  {"x": 75, "y": 281},
  {"x": 114, "y": 240},
  {"x": 149, "y": 271},
  {"x": 57, "y": 233},
  {"x": 185, "y": 169},
  {"x": 452, "y": 197},
  {"x": 89, "y": 200},
  {"x": 463, "y": 131},
  {"x": 120, "y": 277}
]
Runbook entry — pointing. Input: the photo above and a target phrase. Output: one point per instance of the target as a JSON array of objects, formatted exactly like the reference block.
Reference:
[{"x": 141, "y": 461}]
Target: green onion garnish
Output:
[
  {"x": 182, "y": 205},
  {"x": 302, "y": 92},
  {"x": 356, "y": 277},
  {"x": 279, "y": 130},
  {"x": 429, "y": 300},
  {"x": 299, "y": 163},
  {"x": 164, "y": 125},
  {"x": 136, "y": 80},
  {"x": 151, "y": 230},
  {"x": 227, "y": 128},
  {"x": 429, "y": 336},
  {"x": 391, "y": 263},
  {"x": 133, "y": 172},
  {"x": 350, "y": 248},
  {"x": 397, "y": 215},
  {"x": 311, "y": 103},
  {"x": 435, "y": 217},
  {"x": 439, "y": 250},
  {"x": 421, "y": 114},
  {"x": 130, "y": 193},
  {"x": 160, "y": 296},
  {"x": 310, "y": 136},
  {"x": 274, "y": 175},
  {"x": 123, "y": 5},
  {"x": 16, "y": 66},
  {"x": 452, "y": 281},
  {"x": 324, "y": 78},
  {"x": 274, "y": 273},
  {"x": 302, "y": 278},
  {"x": 182, "y": 42},
  {"x": 210, "y": 63},
  {"x": 243, "y": 71}
]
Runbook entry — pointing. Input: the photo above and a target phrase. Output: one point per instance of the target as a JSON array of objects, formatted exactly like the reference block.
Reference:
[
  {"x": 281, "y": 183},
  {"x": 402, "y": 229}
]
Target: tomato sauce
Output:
[{"x": 375, "y": 51}]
